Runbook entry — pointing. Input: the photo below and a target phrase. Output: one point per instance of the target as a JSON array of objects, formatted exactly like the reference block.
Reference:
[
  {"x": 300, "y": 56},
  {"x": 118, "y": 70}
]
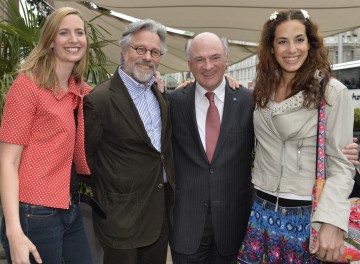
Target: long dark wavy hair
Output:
[{"x": 268, "y": 70}]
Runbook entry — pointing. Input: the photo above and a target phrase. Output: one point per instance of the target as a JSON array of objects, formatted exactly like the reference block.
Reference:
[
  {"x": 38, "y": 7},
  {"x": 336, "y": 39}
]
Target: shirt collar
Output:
[
  {"x": 219, "y": 91},
  {"x": 73, "y": 88},
  {"x": 134, "y": 87}
]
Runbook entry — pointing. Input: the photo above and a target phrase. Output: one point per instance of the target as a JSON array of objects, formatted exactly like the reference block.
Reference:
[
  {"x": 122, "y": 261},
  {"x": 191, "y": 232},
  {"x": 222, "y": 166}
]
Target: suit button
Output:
[
  {"x": 160, "y": 185},
  {"x": 211, "y": 171}
]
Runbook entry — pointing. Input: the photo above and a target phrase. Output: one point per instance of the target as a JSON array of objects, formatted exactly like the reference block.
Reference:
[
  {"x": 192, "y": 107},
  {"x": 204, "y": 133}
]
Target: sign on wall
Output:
[{"x": 355, "y": 95}]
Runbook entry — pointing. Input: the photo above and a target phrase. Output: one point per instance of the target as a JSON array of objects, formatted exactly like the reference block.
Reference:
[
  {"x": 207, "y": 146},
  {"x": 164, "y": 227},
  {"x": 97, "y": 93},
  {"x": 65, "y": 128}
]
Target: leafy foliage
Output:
[
  {"x": 41, "y": 7},
  {"x": 19, "y": 33},
  {"x": 357, "y": 118}
]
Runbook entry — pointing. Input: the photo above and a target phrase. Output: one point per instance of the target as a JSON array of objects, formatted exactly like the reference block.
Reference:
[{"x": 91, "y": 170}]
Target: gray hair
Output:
[
  {"x": 146, "y": 25},
  {"x": 224, "y": 41}
]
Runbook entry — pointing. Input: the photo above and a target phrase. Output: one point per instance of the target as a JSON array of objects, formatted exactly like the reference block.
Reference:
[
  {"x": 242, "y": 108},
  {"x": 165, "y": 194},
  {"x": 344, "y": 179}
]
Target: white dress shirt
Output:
[{"x": 202, "y": 105}]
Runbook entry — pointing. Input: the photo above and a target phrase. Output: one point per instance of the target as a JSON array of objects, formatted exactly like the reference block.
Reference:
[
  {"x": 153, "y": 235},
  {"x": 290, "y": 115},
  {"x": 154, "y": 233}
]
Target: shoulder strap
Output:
[
  {"x": 320, "y": 150},
  {"x": 320, "y": 146},
  {"x": 320, "y": 174}
]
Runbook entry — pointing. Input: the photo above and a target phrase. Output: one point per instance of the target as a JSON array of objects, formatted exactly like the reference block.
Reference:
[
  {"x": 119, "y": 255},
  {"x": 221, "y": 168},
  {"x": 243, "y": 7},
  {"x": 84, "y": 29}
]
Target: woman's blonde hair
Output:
[{"x": 40, "y": 65}]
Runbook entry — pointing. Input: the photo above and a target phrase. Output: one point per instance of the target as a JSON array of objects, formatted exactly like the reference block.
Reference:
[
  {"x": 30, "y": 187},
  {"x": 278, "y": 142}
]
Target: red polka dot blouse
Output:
[{"x": 44, "y": 123}]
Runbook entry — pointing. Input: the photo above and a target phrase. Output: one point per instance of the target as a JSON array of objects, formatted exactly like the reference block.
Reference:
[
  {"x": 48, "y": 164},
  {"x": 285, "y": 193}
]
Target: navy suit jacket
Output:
[{"x": 224, "y": 185}]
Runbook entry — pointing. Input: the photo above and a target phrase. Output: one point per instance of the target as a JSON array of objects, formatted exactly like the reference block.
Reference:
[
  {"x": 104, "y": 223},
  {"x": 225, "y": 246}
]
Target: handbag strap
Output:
[
  {"x": 320, "y": 151},
  {"x": 320, "y": 175}
]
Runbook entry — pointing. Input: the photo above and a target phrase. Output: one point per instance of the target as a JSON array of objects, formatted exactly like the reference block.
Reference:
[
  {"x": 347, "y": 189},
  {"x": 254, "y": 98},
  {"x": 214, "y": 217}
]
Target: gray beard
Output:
[{"x": 142, "y": 77}]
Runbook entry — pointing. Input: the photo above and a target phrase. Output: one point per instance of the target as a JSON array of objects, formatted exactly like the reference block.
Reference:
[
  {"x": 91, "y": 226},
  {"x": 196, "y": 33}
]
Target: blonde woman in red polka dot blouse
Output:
[{"x": 40, "y": 141}]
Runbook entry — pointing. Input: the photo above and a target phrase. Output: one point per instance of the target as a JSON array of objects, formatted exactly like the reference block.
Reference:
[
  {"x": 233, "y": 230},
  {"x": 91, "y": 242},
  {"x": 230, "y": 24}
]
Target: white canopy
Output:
[
  {"x": 236, "y": 19},
  {"x": 173, "y": 61}
]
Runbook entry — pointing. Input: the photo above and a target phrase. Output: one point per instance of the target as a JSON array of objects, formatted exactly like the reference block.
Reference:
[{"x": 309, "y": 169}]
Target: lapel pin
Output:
[{"x": 234, "y": 99}]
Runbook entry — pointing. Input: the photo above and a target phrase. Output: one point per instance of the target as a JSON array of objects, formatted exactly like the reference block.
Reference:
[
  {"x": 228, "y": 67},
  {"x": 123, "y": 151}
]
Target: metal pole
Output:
[{"x": 340, "y": 48}]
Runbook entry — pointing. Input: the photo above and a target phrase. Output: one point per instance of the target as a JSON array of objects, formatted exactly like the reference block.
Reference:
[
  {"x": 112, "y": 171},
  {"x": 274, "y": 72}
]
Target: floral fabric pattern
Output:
[
  {"x": 277, "y": 237},
  {"x": 352, "y": 241}
]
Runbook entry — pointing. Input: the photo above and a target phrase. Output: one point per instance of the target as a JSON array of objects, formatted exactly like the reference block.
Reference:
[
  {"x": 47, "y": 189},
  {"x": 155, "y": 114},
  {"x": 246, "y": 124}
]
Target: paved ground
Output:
[
  {"x": 94, "y": 245},
  {"x": 168, "y": 261}
]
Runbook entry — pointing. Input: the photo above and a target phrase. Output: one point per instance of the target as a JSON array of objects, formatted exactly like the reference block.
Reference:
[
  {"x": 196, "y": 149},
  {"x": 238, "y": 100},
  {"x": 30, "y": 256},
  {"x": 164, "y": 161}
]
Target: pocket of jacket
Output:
[{"x": 122, "y": 215}]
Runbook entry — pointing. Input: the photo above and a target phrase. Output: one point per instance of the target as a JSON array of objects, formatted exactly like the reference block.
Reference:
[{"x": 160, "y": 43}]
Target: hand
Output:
[
  {"x": 351, "y": 152},
  {"x": 184, "y": 84},
  {"x": 159, "y": 82},
  {"x": 233, "y": 83},
  {"x": 20, "y": 249},
  {"x": 329, "y": 245}
]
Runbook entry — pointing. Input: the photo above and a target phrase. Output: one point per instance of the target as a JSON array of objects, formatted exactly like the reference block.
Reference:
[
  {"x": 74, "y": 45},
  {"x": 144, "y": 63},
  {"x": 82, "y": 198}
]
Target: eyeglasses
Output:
[{"x": 142, "y": 50}]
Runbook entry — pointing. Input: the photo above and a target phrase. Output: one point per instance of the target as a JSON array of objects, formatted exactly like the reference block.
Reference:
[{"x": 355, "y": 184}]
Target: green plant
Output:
[
  {"x": 85, "y": 189},
  {"x": 19, "y": 33},
  {"x": 357, "y": 118}
]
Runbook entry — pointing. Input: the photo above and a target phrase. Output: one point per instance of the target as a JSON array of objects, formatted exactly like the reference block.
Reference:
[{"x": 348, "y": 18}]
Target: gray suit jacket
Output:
[
  {"x": 126, "y": 169},
  {"x": 224, "y": 185}
]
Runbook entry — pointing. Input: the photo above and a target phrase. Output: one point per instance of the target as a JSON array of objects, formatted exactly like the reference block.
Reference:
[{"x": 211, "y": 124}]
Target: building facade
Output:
[
  {"x": 347, "y": 45},
  {"x": 343, "y": 47}
]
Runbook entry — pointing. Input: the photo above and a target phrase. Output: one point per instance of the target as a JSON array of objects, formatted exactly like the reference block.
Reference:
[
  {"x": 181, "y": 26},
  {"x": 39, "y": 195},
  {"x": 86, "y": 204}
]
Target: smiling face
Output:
[
  {"x": 70, "y": 42},
  {"x": 290, "y": 46},
  {"x": 207, "y": 60},
  {"x": 142, "y": 67}
]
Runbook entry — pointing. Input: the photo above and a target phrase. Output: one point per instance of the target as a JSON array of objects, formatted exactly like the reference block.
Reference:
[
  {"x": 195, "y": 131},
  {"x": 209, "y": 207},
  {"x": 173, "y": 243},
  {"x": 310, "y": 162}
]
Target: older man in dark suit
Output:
[
  {"x": 128, "y": 148},
  {"x": 213, "y": 139}
]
